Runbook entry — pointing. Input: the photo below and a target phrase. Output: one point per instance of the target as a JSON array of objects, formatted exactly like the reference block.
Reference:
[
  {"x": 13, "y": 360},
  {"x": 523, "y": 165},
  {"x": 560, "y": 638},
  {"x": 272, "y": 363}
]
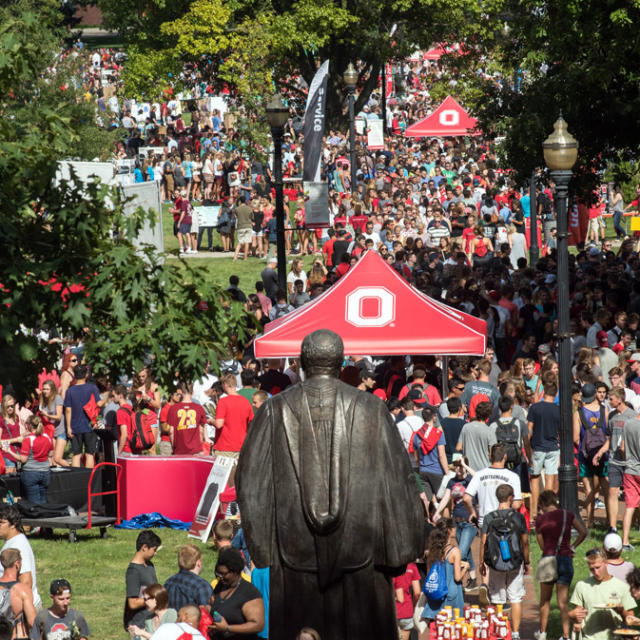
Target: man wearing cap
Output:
[
  {"x": 601, "y": 321},
  {"x": 608, "y": 359},
  {"x": 616, "y": 566},
  {"x": 60, "y": 621}
]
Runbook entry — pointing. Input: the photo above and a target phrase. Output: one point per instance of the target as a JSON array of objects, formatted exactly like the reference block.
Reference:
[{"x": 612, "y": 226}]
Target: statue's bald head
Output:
[{"x": 322, "y": 353}]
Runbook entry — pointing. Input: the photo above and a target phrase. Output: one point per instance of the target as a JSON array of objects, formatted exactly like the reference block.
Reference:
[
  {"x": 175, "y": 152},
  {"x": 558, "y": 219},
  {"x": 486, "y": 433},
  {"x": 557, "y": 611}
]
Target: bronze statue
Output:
[{"x": 329, "y": 502}]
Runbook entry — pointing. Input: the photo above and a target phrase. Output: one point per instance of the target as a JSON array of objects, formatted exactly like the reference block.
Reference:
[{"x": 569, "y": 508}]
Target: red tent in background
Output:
[
  {"x": 435, "y": 53},
  {"x": 449, "y": 119},
  {"x": 376, "y": 312}
]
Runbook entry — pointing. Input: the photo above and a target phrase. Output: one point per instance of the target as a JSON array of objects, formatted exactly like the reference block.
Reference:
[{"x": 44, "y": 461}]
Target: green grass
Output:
[
  {"x": 96, "y": 570},
  {"x": 221, "y": 268}
]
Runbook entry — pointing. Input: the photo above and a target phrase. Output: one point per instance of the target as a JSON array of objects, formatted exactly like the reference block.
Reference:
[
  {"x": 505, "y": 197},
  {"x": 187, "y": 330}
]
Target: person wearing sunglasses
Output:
[{"x": 600, "y": 602}]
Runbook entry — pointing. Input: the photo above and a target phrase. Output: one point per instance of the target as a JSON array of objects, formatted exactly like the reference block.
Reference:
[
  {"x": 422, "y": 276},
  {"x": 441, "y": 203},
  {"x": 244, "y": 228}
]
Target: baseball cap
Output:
[
  {"x": 602, "y": 339},
  {"x": 550, "y": 279},
  {"x": 588, "y": 393},
  {"x": 59, "y": 584},
  {"x": 593, "y": 252},
  {"x": 635, "y": 357},
  {"x": 612, "y": 542},
  {"x": 381, "y": 394},
  {"x": 416, "y": 396},
  {"x": 272, "y": 260},
  {"x": 544, "y": 348}
]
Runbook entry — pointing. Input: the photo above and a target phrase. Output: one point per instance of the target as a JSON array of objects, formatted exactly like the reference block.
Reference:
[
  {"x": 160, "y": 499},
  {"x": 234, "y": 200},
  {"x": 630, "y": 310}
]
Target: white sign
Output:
[
  {"x": 359, "y": 123},
  {"x": 370, "y": 307},
  {"x": 207, "y": 216},
  {"x": 375, "y": 134},
  {"x": 210, "y": 499}
]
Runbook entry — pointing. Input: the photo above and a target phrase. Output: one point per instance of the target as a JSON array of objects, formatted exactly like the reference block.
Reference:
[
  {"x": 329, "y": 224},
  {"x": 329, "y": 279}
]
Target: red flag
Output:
[{"x": 92, "y": 410}]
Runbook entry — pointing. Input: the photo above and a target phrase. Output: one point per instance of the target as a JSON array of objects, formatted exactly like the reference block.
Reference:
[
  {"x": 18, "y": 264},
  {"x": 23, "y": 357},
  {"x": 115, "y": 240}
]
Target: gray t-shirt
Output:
[
  {"x": 137, "y": 578},
  {"x": 59, "y": 428},
  {"x": 477, "y": 438},
  {"x": 631, "y": 439},
  {"x": 617, "y": 422},
  {"x": 55, "y": 628}
]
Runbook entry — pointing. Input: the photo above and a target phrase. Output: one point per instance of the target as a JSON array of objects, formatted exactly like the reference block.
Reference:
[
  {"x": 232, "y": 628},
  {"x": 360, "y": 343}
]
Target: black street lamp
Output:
[
  {"x": 277, "y": 115},
  {"x": 534, "y": 250},
  {"x": 560, "y": 154},
  {"x": 350, "y": 78}
]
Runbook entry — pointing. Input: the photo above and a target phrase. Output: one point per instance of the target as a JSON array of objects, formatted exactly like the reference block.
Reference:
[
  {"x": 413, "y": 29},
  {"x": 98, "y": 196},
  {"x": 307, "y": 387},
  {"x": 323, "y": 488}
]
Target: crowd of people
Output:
[{"x": 482, "y": 433}]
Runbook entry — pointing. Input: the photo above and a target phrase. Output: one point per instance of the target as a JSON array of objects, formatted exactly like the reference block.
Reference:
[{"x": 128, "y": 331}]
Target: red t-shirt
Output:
[
  {"x": 186, "y": 418},
  {"x": 165, "y": 437},
  {"x": 359, "y": 223},
  {"x": 38, "y": 445},
  {"x": 550, "y": 525},
  {"x": 124, "y": 416},
  {"x": 237, "y": 413},
  {"x": 404, "y": 609},
  {"x": 327, "y": 251}
]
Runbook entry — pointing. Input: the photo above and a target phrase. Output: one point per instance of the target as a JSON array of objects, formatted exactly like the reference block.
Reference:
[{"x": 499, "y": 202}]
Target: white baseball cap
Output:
[{"x": 612, "y": 542}]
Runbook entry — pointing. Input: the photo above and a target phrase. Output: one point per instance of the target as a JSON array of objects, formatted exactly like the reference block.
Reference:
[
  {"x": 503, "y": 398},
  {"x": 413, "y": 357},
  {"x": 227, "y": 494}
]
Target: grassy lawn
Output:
[{"x": 96, "y": 570}]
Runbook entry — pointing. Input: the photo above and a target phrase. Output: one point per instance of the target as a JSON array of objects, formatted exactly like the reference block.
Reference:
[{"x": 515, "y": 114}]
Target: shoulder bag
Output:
[{"x": 547, "y": 570}]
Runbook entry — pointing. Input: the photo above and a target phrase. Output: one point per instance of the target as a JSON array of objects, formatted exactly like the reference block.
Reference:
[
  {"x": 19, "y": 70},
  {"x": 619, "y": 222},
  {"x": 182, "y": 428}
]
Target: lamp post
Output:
[
  {"x": 277, "y": 115},
  {"x": 560, "y": 154},
  {"x": 350, "y": 78}
]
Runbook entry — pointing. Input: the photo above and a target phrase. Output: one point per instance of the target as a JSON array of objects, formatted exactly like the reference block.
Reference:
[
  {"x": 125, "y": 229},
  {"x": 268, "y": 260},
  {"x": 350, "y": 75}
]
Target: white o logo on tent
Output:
[
  {"x": 449, "y": 118},
  {"x": 370, "y": 307}
]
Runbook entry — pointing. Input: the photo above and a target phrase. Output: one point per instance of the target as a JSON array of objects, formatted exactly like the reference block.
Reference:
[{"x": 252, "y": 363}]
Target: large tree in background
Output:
[
  {"x": 68, "y": 262},
  {"x": 581, "y": 58},
  {"x": 248, "y": 43}
]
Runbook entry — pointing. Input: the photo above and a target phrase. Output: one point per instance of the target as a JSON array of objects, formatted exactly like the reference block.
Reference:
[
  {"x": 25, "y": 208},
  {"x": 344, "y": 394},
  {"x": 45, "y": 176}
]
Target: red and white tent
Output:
[
  {"x": 376, "y": 312},
  {"x": 435, "y": 53},
  {"x": 449, "y": 119}
]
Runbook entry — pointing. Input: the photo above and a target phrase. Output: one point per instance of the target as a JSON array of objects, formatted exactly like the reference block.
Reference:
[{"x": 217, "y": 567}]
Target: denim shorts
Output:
[{"x": 565, "y": 570}]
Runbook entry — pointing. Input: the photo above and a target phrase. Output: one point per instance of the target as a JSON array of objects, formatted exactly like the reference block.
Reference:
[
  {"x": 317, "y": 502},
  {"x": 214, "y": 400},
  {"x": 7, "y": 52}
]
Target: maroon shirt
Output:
[{"x": 550, "y": 525}]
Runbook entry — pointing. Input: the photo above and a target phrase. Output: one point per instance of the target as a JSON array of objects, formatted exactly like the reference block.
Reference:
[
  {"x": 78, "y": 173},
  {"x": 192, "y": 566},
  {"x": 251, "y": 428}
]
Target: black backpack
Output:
[
  {"x": 508, "y": 433},
  {"x": 503, "y": 531}
]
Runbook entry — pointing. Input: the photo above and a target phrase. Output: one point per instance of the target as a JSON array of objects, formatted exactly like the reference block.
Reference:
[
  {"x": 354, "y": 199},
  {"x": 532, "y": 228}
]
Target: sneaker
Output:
[
  {"x": 471, "y": 585},
  {"x": 515, "y": 635},
  {"x": 540, "y": 635},
  {"x": 628, "y": 547},
  {"x": 612, "y": 530},
  {"x": 599, "y": 504},
  {"x": 483, "y": 596}
]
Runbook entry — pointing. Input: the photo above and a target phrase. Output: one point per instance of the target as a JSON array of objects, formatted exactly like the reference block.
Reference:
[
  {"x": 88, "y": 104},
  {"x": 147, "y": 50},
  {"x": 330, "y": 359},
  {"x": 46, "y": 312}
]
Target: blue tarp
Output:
[{"x": 153, "y": 520}]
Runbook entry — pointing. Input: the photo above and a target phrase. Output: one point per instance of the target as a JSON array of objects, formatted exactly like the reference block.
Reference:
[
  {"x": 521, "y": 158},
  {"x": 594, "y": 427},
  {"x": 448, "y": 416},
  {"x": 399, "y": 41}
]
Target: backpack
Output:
[
  {"x": 281, "y": 310},
  {"x": 5, "y": 603},
  {"x": 142, "y": 433},
  {"x": 509, "y": 434},
  {"x": 594, "y": 436},
  {"x": 435, "y": 584},
  {"x": 429, "y": 437},
  {"x": 502, "y": 551},
  {"x": 418, "y": 386}
]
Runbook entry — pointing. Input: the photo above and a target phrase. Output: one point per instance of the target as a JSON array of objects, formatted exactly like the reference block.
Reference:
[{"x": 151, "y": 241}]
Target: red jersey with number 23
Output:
[{"x": 186, "y": 418}]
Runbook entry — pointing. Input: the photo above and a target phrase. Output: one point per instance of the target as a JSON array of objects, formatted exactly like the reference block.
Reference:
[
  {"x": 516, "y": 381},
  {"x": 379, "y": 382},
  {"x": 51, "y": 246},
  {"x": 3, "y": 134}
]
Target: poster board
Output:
[
  {"x": 375, "y": 134},
  {"x": 316, "y": 207},
  {"x": 210, "y": 498},
  {"x": 207, "y": 216}
]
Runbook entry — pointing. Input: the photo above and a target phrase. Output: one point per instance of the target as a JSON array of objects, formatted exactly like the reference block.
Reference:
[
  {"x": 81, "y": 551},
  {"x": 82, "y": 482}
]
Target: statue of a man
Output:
[{"x": 329, "y": 502}]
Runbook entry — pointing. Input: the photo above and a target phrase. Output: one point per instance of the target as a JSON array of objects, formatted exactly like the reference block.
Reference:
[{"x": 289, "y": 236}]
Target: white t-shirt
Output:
[
  {"x": 292, "y": 277},
  {"x": 173, "y": 630},
  {"x": 200, "y": 386},
  {"x": 408, "y": 427},
  {"x": 484, "y": 484},
  {"x": 21, "y": 543}
]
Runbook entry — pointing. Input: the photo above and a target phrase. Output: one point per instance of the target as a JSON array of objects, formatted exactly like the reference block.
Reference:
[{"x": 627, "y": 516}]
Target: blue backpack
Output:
[{"x": 435, "y": 585}]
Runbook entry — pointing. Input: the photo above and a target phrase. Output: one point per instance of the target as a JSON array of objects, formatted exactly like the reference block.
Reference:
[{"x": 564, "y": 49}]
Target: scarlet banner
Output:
[
  {"x": 578, "y": 223},
  {"x": 388, "y": 78}
]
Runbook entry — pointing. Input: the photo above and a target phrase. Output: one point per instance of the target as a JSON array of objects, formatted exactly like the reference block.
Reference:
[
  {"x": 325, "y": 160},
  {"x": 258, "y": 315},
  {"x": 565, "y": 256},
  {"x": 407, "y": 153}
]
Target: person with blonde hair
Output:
[
  {"x": 187, "y": 586},
  {"x": 34, "y": 455}
]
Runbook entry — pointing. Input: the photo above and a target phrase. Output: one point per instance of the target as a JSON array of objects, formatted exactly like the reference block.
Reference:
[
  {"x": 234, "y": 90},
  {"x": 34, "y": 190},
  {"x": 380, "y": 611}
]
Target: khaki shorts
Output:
[
  {"x": 165, "y": 448},
  {"x": 245, "y": 236},
  {"x": 506, "y": 586},
  {"x": 227, "y": 454}
]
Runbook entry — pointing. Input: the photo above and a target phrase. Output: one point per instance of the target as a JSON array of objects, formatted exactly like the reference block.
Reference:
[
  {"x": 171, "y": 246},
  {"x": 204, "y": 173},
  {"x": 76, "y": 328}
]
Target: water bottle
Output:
[
  {"x": 217, "y": 617},
  {"x": 504, "y": 549}
]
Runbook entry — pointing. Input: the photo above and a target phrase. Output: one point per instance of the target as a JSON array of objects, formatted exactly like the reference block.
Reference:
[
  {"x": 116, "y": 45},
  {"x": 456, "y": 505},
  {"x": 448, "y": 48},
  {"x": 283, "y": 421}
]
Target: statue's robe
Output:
[{"x": 329, "y": 502}]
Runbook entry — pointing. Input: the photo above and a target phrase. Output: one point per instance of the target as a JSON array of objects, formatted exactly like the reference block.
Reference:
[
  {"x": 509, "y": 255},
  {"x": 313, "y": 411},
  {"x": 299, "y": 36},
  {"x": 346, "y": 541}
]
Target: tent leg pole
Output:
[{"x": 445, "y": 377}]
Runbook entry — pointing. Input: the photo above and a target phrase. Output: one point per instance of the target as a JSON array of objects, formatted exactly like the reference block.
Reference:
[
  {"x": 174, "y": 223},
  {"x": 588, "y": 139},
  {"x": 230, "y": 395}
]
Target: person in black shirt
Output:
[
  {"x": 236, "y": 605},
  {"x": 452, "y": 426}
]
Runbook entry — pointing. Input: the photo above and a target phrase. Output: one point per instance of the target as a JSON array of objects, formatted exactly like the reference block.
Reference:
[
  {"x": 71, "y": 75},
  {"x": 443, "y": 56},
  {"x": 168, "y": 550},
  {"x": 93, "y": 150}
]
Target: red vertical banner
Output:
[
  {"x": 578, "y": 223},
  {"x": 388, "y": 79}
]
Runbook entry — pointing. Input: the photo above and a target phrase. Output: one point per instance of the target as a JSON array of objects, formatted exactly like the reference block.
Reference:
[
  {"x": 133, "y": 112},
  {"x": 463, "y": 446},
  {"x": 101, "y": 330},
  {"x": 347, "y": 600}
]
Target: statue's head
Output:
[{"x": 322, "y": 353}]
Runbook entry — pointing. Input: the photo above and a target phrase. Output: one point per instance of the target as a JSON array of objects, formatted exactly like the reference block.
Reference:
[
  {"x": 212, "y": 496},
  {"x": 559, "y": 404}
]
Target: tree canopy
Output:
[{"x": 69, "y": 263}]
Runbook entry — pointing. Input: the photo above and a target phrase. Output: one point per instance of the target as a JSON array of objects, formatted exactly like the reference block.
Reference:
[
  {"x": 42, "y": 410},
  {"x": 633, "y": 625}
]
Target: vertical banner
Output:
[
  {"x": 578, "y": 223},
  {"x": 210, "y": 498},
  {"x": 375, "y": 134},
  {"x": 317, "y": 198},
  {"x": 388, "y": 79}
]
